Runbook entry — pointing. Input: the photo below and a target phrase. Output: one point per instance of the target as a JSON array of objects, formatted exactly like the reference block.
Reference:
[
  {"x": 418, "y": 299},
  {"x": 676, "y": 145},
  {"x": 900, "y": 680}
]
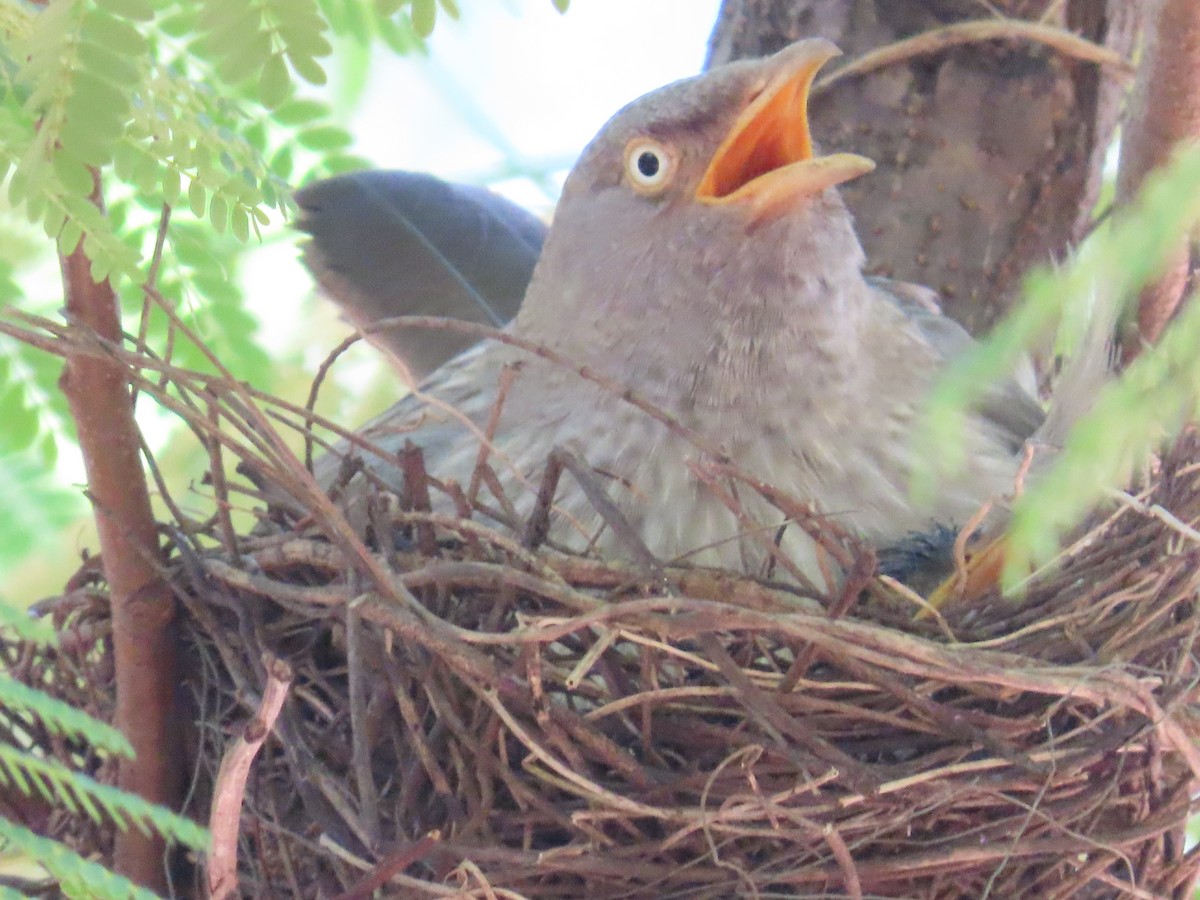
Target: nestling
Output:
[{"x": 701, "y": 256}]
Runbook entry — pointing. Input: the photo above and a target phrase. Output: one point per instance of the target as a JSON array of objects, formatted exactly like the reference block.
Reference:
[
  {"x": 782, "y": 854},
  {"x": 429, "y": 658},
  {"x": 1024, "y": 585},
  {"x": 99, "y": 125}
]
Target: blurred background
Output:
[{"x": 506, "y": 95}]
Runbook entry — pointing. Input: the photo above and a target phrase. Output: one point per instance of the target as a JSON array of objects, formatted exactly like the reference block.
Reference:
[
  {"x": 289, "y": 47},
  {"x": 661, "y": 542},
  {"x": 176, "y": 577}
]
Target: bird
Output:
[{"x": 701, "y": 259}]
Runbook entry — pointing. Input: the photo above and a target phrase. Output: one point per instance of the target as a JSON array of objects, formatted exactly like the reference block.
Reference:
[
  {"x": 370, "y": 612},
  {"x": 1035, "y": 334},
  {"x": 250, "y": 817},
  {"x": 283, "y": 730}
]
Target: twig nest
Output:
[{"x": 505, "y": 722}]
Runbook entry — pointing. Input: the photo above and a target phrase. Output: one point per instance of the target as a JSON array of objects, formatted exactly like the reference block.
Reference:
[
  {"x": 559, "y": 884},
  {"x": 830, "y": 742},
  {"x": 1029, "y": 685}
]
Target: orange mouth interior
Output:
[{"x": 770, "y": 134}]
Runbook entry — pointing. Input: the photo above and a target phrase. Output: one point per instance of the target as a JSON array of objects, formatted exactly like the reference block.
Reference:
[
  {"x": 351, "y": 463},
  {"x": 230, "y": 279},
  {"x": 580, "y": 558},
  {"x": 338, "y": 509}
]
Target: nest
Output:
[{"x": 467, "y": 715}]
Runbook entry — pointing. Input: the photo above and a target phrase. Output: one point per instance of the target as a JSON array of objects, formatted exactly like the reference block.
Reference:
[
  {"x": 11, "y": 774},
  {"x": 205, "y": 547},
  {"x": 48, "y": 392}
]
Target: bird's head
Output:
[
  {"x": 700, "y": 189},
  {"x": 735, "y": 138}
]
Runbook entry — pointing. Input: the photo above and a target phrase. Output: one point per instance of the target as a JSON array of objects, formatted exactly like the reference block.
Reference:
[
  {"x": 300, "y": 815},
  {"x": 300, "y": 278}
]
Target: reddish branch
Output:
[
  {"x": 393, "y": 864},
  {"x": 230, "y": 788},
  {"x": 1165, "y": 111},
  {"x": 142, "y": 606}
]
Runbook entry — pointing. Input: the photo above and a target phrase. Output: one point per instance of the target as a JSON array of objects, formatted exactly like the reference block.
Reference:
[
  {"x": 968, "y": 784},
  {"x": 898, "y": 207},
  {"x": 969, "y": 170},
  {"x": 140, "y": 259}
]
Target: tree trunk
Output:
[
  {"x": 989, "y": 153},
  {"x": 143, "y": 608},
  {"x": 1167, "y": 99}
]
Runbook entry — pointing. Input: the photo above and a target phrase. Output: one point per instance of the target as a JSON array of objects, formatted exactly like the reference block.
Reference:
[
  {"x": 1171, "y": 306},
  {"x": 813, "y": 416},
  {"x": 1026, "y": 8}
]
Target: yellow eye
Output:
[{"x": 650, "y": 166}]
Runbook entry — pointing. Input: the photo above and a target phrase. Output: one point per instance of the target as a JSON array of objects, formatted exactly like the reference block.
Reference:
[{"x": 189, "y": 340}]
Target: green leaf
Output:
[
  {"x": 1154, "y": 398},
  {"x": 21, "y": 425},
  {"x": 355, "y": 23},
  {"x": 79, "y": 139},
  {"x": 178, "y": 23},
  {"x": 115, "y": 805},
  {"x": 146, "y": 173},
  {"x": 139, "y": 10},
  {"x": 307, "y": 68},
  {"x": 196, "y": 198},
  {"x": 53, "y": 221},
  {"x": 124, "y": 160},
  {"x": 41, "y": 372},
  {"x": 238, "y": 65},
  {"x": 61, "y": 718},
  {"x": 398, "y": 34},
  {"x": 215, "y": 286},
  {"x": 68, "y": 237},
  {"x": 424, "y": 16},
  {"x": 271, "y": 196},
  {"x": 231, "y": 29},
  {"x": 48, "y": 451},
  {"x": 18, "y": 621},
  {"x": 561, "y": 5},
  {"x": 103, "y": 62},
  {"x": 1132, "y": 414},
  {"x": 342, "y": 163},
  {"x": 239, "y": 223},
  {"x": 218, "y": 213},
  {"x": 74, "y": 175},
  {"x": 117, "y": 35},
  {"x": 274, "y": 81},
  {"x": 100, "y": 99},
  {"x": 282, "y": 162},
  {"x": 299, "y": 110},
  {"x": 171, "y": 185},
  {"x": 307, "y": 42},
  {"x": 35, "y": 504},
  {"x": 325, "y": 137}
]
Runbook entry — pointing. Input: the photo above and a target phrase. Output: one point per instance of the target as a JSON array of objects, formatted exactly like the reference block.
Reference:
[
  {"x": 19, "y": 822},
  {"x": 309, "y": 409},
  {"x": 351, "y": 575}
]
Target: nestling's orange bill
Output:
[{"x": 767, "y": 159}]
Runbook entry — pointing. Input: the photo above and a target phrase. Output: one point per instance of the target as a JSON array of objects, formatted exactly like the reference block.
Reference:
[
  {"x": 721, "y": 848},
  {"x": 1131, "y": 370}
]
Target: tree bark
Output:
[
  {"x": 144, "y": 648},
  {"x": 990, "y": 154},
  {"x": 1167, "y": 98}
]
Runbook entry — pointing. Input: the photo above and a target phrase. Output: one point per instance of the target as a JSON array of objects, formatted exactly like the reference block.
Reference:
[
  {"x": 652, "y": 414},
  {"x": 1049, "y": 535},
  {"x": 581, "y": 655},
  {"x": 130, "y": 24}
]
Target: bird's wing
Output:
[
  {"x": 391, "y": 243},
  {"x": 1011, "y": 404}
]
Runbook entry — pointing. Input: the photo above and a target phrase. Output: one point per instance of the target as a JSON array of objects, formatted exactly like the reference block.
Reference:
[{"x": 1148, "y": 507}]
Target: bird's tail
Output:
[
  {"x": 1089, "y": 355},
  {"x": 1088, "y": 348}
]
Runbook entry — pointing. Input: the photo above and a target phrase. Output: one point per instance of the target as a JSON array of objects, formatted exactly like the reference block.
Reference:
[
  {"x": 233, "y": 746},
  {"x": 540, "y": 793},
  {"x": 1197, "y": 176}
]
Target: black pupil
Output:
[{"x": 648, "y": 163}]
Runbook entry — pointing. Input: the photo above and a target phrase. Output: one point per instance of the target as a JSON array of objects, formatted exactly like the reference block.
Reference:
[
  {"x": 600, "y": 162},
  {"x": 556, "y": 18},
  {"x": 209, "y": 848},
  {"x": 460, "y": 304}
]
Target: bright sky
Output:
[{"x": 515, "y": 84}]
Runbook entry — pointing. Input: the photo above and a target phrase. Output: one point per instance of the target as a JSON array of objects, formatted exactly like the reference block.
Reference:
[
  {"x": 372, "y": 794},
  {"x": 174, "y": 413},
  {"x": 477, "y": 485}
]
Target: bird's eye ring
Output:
[{"x": 649, "y": 165}]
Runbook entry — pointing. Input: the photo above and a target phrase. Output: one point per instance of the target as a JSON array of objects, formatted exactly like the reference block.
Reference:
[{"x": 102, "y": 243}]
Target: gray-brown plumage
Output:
[{"x": 701, "y": 255}]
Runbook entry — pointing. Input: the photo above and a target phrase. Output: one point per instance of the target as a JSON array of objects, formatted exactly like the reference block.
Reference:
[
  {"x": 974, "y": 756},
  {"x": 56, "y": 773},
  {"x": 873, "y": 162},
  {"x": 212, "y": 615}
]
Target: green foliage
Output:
[
  {"x": 60, "y": 718},
  {"x": 362, "y": 25},
  {"x": 36, "y": 503},
  {"x": 76, "y": 876},
  {"x": 170, "y": 103},
  {"x": 35, "y": 416},
  {"x": 32, "y": 774},
  {"x": 262, "y": 39},
  {"x": 190, "y": 121},
  {"x": 1134, "y": 414},
  {"x": 200, "y": 280},
  {"x": 168, "y": 109},
  {"x": 25, "y": 628},
  {"x": 81, "y": 794},
  {"x": 149, "y": 96},
  {"x": 191, "y": 107},
  {"x": 34, "y": 413}
]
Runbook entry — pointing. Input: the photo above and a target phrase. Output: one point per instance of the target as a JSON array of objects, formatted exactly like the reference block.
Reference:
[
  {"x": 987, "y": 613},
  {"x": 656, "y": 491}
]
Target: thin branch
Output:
[
  {"x": 144, "y": 651},
  {"x": 975, "y": 32},
  {"x": 230, "y": 787}
]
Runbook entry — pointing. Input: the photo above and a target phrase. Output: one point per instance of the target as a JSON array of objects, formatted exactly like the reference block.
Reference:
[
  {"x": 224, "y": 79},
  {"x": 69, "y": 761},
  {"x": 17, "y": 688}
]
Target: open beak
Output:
[{"x": 766, "y": 160}]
